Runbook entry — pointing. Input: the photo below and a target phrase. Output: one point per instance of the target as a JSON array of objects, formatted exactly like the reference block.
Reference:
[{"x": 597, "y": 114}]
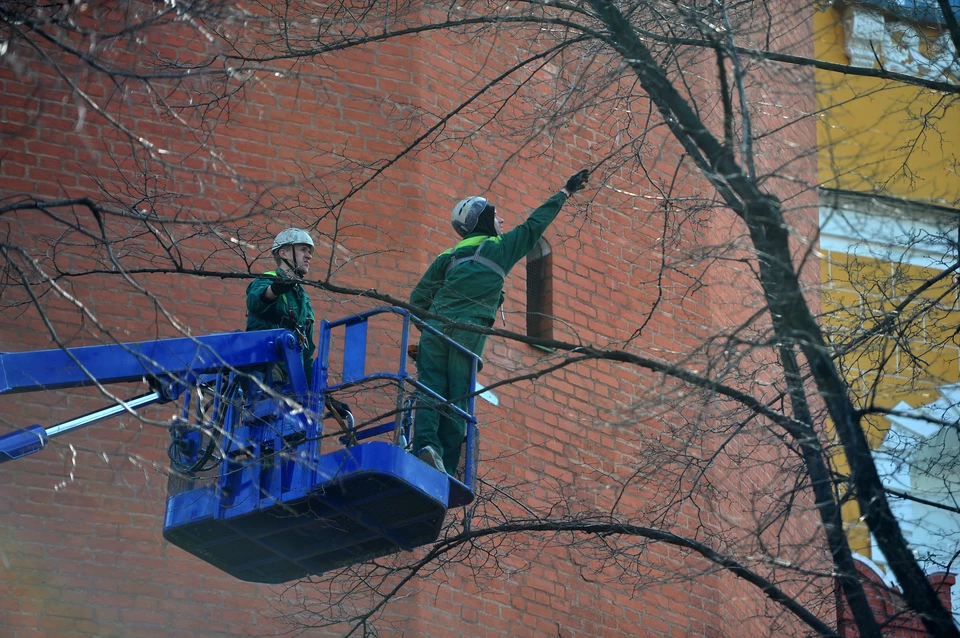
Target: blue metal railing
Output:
[
  {"x": 353, "y": 372},
  {"x": 174, "y": 364}
]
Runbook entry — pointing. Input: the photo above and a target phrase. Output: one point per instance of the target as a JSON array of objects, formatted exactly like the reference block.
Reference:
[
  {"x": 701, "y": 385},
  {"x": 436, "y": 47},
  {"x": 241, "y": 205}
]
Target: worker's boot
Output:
[{"x": 429, "y": 456}]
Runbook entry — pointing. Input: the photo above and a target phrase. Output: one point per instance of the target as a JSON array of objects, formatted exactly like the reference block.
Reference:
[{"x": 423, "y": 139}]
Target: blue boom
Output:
[{"x": 250, "y": 490}]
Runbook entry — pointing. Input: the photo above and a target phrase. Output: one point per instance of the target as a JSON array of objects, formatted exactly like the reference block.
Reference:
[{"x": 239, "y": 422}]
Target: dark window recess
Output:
[{"x": 540, "y": 291}]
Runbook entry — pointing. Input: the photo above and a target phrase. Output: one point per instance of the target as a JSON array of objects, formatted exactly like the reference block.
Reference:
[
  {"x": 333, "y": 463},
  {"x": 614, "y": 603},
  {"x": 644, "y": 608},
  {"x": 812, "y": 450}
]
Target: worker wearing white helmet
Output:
[
  {"x": 465, "y": 285},
  {"x": 276, "y": 299}
]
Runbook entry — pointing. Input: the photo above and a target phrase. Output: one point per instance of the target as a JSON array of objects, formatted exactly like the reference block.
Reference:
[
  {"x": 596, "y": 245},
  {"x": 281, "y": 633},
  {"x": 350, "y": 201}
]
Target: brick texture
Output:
[{"x": 81, "y": 551}]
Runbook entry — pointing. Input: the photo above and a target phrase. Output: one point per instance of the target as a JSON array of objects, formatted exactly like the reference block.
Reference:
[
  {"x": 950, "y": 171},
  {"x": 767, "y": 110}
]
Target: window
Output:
[
  {"x": 540, "y": 291},
  {"x": 917, "y": 10}
]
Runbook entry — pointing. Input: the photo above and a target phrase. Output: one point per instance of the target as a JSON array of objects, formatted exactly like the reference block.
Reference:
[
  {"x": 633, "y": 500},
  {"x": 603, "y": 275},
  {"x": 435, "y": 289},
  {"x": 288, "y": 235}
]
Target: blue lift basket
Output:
[{"x": 271, "y": 478}]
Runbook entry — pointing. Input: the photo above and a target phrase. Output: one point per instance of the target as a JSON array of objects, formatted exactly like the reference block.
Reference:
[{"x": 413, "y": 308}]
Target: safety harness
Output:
[
  {"x": 287, "y": 320},
  {"x": 483, "y": 261}
]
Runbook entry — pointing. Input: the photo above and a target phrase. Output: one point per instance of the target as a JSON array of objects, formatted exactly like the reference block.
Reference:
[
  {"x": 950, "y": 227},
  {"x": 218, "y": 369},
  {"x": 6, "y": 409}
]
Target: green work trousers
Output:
[{"x": 446, "y": 371}]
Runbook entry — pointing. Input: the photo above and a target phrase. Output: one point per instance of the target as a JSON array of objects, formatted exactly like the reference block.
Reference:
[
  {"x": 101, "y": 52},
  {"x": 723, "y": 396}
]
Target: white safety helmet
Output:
[
  {"x": 466, "y": 214},
  {"x": 291, "y": 236}
]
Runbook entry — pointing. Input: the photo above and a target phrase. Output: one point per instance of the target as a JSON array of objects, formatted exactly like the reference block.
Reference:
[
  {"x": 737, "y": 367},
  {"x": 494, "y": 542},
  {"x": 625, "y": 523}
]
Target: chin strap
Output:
[{"x": 295, "y": 267}]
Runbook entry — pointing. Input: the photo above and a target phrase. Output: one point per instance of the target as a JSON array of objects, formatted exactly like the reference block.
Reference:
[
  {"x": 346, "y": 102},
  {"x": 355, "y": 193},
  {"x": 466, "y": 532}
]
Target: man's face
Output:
[
  {"x": 498, "y": 224},
  {"x": 298, "y": 256}
]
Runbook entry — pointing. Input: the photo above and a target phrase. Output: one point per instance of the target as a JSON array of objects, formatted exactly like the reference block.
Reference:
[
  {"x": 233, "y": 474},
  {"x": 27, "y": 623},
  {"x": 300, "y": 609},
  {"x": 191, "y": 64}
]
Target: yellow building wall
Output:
[
  {"x": 924, "y": 353},
  {"x": 880, "y": 136}
]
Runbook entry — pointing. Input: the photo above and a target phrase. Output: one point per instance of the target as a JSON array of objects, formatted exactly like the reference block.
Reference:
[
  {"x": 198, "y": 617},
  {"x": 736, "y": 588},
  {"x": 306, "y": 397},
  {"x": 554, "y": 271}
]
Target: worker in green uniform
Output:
[
  {"x": 465, "y": 285},
  {"x": 276, "y": 299}
]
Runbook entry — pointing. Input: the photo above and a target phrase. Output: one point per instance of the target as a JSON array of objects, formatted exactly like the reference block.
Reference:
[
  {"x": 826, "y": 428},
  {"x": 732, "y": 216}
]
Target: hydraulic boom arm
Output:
[{"x": 168, "y": 364}]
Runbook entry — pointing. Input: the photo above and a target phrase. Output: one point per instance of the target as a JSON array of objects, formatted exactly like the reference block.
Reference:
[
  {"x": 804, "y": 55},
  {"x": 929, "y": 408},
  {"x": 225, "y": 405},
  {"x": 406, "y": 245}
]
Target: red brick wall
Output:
[
  {"x": 888, "y": 605},
  {"x": 81, "y": 551}
]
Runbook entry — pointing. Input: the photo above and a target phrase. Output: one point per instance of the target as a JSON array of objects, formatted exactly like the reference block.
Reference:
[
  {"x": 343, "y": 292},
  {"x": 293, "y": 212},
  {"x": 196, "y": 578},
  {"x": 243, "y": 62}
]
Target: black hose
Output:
[{"x": 200, "y": 465}]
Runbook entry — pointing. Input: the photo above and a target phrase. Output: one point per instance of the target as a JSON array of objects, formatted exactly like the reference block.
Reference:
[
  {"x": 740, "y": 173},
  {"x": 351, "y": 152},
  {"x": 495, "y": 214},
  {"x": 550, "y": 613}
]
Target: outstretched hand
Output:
[{"x": 578, "y": 182}]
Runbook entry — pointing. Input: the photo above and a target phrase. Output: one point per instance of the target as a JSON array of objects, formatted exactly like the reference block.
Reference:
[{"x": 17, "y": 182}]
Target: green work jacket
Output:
[
  {"x": 473, "y": 289},
  {"x": 291, "y": 311}
]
